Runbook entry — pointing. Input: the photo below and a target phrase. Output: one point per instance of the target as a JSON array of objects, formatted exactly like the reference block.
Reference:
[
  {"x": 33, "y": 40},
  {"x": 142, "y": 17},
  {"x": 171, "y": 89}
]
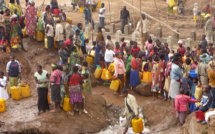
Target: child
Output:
[
  {"x": 16, "y": 13},
  {"x": 187, "y": 68},
  {"x": 205, "y": 104},
  {"x": 193, "y": 82},
  {"x": 94, "y": 45},
  {"x": 3, "y": 85},
  {"x": 110, "y": 42},
  {"x": 155, "y": 88},
  {"x": 181, "y": 48},
  {"x": 188, "y": 50},
  {"x": 59, "y": 36},
  {"x": 123, "y": 43},
  {"x": 86, "y": 42},
  {"x": 101, "y": 57},
  {"x": 187, "y": 56},
  {"x": 172, "y": 52},
  {"x": 64, "y": 57},
  {"x": 117, "y": 48},
  {"x": 50, "y": 35},
  {"x": 128, "y": 67},
  {"x": 134, "y": 76},
  {"x": 4, "y": 45},
  {"x": 131, "y": 44},
  {"x": 166, "y": 55},
  {"x": 74, "y": 58},
  {"x": 181, "y": 101},
  {"x": 97, "y": 50},
  {"x": 195, "y": 63},
  {"x": 135, "y": 48},
  {"x": 166, "y": 47},
  {"x": 100, "y": 36},
  {"x": 210, "y": 49},
  {"x": 167, "y": 78},
  {"x": 149, "y": 46},
  {"x": 198, "y": 50},
  {"x": 77, "y": 43},
  {"x": 154, "y": 51},
  {"x": 109, "y": 56},
  {"x": 195, "y": 11}
]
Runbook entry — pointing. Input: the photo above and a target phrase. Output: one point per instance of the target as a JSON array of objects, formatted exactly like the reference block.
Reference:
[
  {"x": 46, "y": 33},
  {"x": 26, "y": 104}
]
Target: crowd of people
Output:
[{"x": 170, "y": 71}]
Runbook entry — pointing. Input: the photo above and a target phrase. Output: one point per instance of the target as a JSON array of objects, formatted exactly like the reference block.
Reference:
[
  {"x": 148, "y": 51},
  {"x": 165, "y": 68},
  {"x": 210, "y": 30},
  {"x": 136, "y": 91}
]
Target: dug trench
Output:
[{"x": 104, "y": 108}]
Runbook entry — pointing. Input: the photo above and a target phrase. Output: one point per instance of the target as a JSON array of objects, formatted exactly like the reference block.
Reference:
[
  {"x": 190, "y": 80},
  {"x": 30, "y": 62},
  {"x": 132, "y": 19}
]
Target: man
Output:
[
  {"x": 209, "y": 29},
  {"x": 87, "y": 15},
  {"x": 204, "y": 42},
  {"x": 124, "y": 16},
  {"x": 102, "y": 12},
  {"x": 199, "y": 20},
  {"x": 144, "y": 27},
  {"x": 131, "y": 109}
]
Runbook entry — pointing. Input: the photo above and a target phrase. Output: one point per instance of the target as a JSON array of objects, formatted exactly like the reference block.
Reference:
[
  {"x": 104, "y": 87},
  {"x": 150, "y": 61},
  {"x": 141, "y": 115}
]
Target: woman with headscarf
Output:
[
  {"x": 12, "y": 5},
  {"x": 211, "y": 76},
  {"x": 68, "y": 27},
  {"x": 31, "y": 19},
  {"x": 202, "y": 67},
  {"x": 176, "y": 74},
  {"x": 7, "y": 23}
]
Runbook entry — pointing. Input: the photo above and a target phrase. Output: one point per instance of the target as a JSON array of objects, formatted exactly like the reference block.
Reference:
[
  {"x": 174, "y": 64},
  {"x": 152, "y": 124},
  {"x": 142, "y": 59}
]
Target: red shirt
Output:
[
  {"x": 181, "y": 50},
  {"x": 133, "y": 50},
  {"x": 56, "y": 11},
  {"x": 152, "y": 52},
  {"x": 74, "y": 80},
  {"x": 67, "y": 42}
]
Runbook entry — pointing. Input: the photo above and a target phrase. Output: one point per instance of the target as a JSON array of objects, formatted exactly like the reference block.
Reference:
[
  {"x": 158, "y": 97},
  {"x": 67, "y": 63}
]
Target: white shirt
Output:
[
  {"x": 145, "y": 25},
  {"x": 131, "y": 100},
  {"x": 109, "y": 55},
  {"x": 59, "y": 32},
  {"x": 50, "y": 31},
  {"x": 102, "y": 10}
]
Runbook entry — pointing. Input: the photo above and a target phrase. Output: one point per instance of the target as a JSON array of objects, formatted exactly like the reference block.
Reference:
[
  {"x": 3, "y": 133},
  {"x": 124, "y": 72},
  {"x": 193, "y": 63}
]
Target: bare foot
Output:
[{"x": 53, "y": 111}]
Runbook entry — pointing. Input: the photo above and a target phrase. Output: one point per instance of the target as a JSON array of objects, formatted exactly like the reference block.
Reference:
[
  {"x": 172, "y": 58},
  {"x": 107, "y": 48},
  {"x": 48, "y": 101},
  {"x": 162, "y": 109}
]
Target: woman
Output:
[
  {"x": 47, "y": 15},
  {"x": 159, "y": 77},
  {"x": 41, "y": 78},
  {"x": 119, "y": 69},
  {"x": 3, "y": 85},
  {"x": 15, "y": 39},
  {"x": 74, "y": 81},
  {"x": 7, "y": 23},
  {"x": 79, "y": 27},
  {"x": 68, "y": 27},
  {"x": 12, "y": 5},
  {"x": 176, "y": 74},
  {"x": 211, "y": 76},
  {"x": 55, "y": 87},
  {"x": 2, "y": 26},
  {"x": 31, "y": 20},
  {"x": 134, "y": 75},
  {"x": 13, "y": 70}
]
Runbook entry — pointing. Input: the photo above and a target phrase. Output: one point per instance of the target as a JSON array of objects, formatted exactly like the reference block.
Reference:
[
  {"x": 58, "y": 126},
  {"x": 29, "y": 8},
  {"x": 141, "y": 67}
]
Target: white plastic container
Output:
[{"x": 122, "y": 121}]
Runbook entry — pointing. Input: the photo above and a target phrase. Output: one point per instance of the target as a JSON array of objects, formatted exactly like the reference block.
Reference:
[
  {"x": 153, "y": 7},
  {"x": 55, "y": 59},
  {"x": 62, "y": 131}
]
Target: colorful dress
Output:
[
  {"x": 159, "y": 77},
  {"x": 81, "y": 36},
  {"x": 12, "y": 6},
  {"x": 31, "y": 20},
  {"x": 78, "y": 41},
  {"x": 154, "y": 70},
  {"x": 74, "y": 59},
  {"x": 87, "y": 86},
  {"x": 15, "y": 37},
  {"x": 7, "y": 26}
]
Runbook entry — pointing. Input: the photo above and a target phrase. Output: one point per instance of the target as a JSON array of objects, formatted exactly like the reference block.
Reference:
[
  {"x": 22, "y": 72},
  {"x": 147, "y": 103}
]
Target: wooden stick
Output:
[{"x": 168, "y": 26}]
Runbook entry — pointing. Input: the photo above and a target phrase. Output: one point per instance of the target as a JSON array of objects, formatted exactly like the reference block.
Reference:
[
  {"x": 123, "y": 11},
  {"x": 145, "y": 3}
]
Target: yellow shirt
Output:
[
  {"x": 211, "y": 76},
  {"x": 187, "y": 68}
]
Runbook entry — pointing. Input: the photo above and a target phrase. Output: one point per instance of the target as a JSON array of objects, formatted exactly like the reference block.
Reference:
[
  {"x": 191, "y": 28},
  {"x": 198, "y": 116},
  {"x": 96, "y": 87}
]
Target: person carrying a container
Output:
[{"x": 131, "y": 109}]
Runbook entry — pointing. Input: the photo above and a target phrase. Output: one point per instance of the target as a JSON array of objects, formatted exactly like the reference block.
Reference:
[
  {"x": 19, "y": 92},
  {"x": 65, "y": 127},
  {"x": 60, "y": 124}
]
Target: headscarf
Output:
[
  {"x": 68, "y": 19},
  {"x": 204, "y": 58},
  {"x": 180, "y": 42},
  {"x": 211, "y": 65}
]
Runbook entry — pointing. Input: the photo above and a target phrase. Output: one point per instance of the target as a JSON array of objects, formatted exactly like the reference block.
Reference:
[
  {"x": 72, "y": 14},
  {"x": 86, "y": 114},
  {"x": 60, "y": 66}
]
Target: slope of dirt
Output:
[{"x": 21, "y": 116}]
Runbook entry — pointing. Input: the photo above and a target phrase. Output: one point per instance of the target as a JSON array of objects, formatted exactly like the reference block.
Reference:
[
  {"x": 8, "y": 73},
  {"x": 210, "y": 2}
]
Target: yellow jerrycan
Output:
[
  {"x": 48, "y": 98},
  {"x": 24, "y": 32},
  {"x": 2, "y": 105},
  {"x": 25, "y": 90},
  {"x": 147, "y": 77},
  {"x": 125, "y": 77},
  {"x": 114, "y": 85},
  {"x": 66, "y": 105},
  {"x": 46, "y": 43},
  {"x": 198, "y": 93},
  {"x": 55, "y": 44},
  {"x": 137, "y": 125},
  {"x": 111, "y": 67},
  {"x": 89, "y": 59},
  {"x": 39, "y": 35},
  {"x": 98, "y": 73},
  {"x": 106, "y": 75},
  {"x": 140, "y": 75},
  {"x": 15, "y": 93}
]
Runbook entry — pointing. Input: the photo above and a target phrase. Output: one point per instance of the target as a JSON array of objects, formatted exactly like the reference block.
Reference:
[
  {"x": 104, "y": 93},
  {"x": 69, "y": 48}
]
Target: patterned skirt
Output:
[{"x": 75, "y": 94}]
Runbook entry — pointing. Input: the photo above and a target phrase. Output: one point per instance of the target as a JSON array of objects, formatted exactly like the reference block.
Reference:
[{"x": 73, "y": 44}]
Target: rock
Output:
[{"x": 144, "y": 89}]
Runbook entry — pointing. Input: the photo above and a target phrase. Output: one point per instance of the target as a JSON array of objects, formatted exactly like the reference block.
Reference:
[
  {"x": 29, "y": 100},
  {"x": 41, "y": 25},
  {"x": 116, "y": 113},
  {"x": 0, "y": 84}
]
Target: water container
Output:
[
  {"x": 193, "y": 74},
  {"x": 48, "y": 98},
  {"x": 140, "y": 75},
  {"x": 98, "y": 73},
  {"x": 175, "y": 10},
  {"x": 46, "y": 43},
  {"x": 2, "y": 105},
  {"x": 92, "y": 53},
  {"x": 111, "y": 67},
  {"x": 24, "y": 32},
  {"x": 106, "y": 75},
  {"x": 25, "y": 90},
  {"x": 198, "y": 93},
  {"x": 171, "y": 3},
  {"x": 147, "y": 77},
  {"x": 137, "y": 125},
  {"x": 125, "y": 77},
  {"x": 39, "y": 36},
  {"x": 81, "y": 9},
  {"x": 89, "y": 59},
  {"x": 122, "y": 121},
  {"x": 66, "y": 105},
  {"x": 15, "y": 92},
  {"x": 99, "y": 4},
  {"x": 55, "y": 44},
  {"x": 114, "y": 85}
]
